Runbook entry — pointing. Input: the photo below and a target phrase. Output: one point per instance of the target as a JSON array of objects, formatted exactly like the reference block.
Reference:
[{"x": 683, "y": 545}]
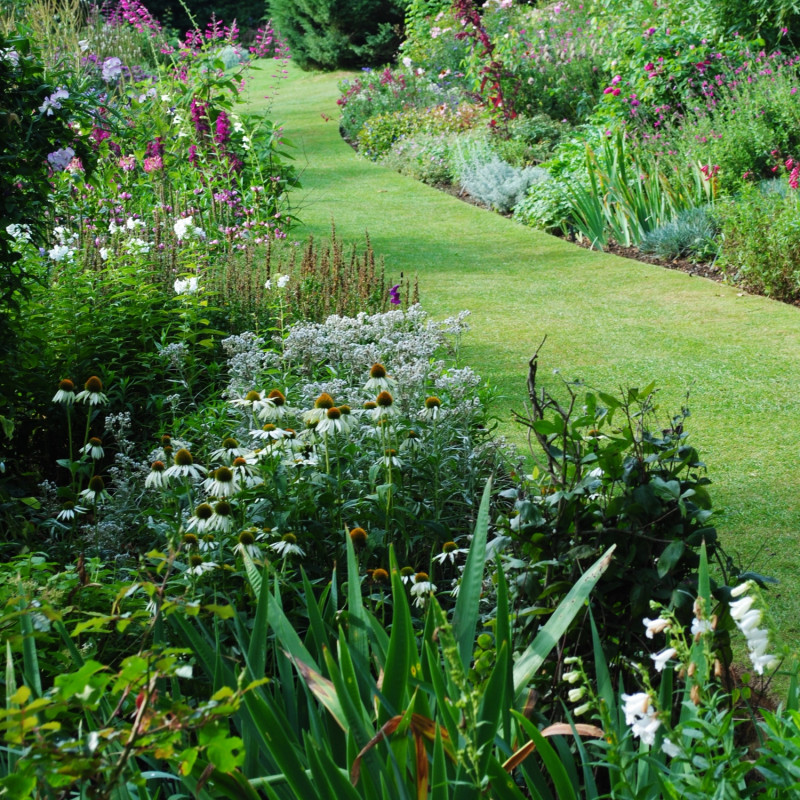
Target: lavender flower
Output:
[
  {"x": 52, "y": 102},
  {"x": 112, "y": 69}
]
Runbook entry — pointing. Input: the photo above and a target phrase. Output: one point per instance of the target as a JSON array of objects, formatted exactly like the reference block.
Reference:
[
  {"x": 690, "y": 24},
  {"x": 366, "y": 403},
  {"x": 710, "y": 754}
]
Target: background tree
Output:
[{"x": 332, "y": 34}]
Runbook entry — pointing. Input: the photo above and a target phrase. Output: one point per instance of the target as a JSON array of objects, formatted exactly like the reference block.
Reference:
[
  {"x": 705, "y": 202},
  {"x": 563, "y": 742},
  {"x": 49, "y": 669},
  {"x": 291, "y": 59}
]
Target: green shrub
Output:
[
  {"x": 692, "y": 233},
  {"x": 610, "y": 472},
  {"x": 385, "y": 92},
  {"x": 529, "y": 139},
  {"x": 380, "y": 132},
  {"x": 488, "y": 178},
  {"x": 423, "y": 156},
  {"x": 546, "y": 206},
  {"x": 333, "y": 34},
  {"x": 761, "y": 243}
]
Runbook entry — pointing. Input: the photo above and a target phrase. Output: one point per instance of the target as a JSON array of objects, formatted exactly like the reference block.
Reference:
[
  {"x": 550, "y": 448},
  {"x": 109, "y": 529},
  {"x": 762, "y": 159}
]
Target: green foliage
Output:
[
  {"x": 33, "y": 128},
  {"x": 424, "y": 157},
  {"x": 761, "y": 242},
  {"x": 691, "y": 234},
  {"x": 402, "y": 733},
  {"x": 380, "y": 132},
  {"x": 612, "y": 474},
  {"x": 529, "y": 139},
  {"x": 323, "y": 34},
  {"x": 485, "y": 176},
  {"x": 545, "y": 206},
  {"x": 626, "y": 198},
  {"x": 387, "y": 92}
]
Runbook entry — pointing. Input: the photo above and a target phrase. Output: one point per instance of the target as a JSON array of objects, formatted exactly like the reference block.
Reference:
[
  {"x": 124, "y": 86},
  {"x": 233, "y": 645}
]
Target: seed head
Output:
[
  {"x": 384, "y": 399},
  {"x": 183, "y": 458},
  {"x": 377, "y": 371},
  {"x": 358, "y": 536},
  {"x": 324, "y": 401}
]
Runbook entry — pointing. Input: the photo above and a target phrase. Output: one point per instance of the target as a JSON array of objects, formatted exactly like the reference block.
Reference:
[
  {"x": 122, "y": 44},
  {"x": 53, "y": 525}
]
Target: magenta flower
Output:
[{"x": 222, "y": 129}]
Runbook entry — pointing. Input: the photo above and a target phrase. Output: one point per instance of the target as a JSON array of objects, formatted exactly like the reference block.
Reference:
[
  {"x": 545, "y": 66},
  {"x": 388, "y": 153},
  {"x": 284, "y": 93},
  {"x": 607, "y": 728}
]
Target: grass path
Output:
[{"x": 610, "y": 321}]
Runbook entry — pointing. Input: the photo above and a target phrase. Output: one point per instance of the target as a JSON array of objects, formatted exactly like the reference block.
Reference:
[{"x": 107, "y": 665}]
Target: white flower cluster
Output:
[
  {"x": 185, "y": 228},
  {"x": 748, "y": 620},
  {"x": 64, "y": 249},
  {"x": 640, "y": 715},
  {"x": 249, "y": 358}
]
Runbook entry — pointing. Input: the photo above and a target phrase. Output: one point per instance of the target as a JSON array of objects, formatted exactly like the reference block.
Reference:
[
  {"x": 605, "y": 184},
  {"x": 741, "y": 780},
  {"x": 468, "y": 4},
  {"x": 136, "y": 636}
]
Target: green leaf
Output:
[
  {"x": 257, "y": 648},
  {"x": 359, "y": 625},
  {"x": 491, "y": 705},
  {"x": 547, "y": 637},
  {"x": 669, "y": 559},
  {"x": 401, "y": 643},
  {"x": 30, "y": 660},
  {"x": 465, "y": 616},
  {"x": 225, "y": 752},
  {"x": 555, "y": 769}
]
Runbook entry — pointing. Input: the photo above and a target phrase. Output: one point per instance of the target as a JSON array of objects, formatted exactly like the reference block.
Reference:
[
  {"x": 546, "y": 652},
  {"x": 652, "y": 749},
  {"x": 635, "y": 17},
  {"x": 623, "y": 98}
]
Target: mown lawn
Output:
[{"x": 612, "y": 322}]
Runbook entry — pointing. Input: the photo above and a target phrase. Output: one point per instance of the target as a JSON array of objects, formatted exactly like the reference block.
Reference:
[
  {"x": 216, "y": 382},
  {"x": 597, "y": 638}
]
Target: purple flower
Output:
[
  {"x": 394, "y": 295},
  {"x": 51, "y": 102},
  {"x": 59, "y": 159},
  {"x": 112, "y": 69},
  {"x": 222, "y": 128}
]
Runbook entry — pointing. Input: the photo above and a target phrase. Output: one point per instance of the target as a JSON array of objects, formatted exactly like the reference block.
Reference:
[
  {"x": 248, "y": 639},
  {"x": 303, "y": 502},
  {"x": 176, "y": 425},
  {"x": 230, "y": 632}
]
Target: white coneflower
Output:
[
  {"x": 358, "y": 536},
  {"x": 201, "y": 519},
  {"x": 65, "y": 393},
  {"x": 223, "y": 517},
  {"x": 379, "y": 381},
  {"x": 640, "y": 715},
  {"x": 450, "y": 551},
  {"x": 247, "y": 544},
  {"x": 273, "y": 408},
  {"x": 96, "y": 492},
  {"x": 287, "y": 546},
  {"x": 347, "y": 417},
  {"x": 70, "y": 511},
  {"x": 207, "y": 543},
  {"x": 431, "y": 410},
  {"x": 269, "y": 432},
  {"x": 94, "y": 448},
  {"x": 251, "y": 400},
  {"x": 244, "y": 471},
  {"x": 156, "y": 478},
  {"x": 380, "y": 575},
  {"x": 199, "y": 566},
  {"x": 421, "y": 589},
  {"x": 321, "y": 406},
  {"x": 384, "y": 406},
  {"x": 390, "y": 459},
  {"x": 184, "y": 467},
  {"x": 331, "y": 422},
  {"x": 230, "y": 449},
  {"x": 412, "y": 443},
  {"x": 190, "y": 541},
  {"x": 92, "y": 392},
  {"x": 221, "y": 483},
  {"x": 407, "y": 575}
]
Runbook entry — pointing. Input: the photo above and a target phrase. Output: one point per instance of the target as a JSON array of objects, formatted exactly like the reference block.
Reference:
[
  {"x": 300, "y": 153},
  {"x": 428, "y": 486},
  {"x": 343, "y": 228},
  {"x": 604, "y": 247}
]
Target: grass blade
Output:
[
  {"x": 547, "y": 637},
  {"x": 465, "y": 616}
]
